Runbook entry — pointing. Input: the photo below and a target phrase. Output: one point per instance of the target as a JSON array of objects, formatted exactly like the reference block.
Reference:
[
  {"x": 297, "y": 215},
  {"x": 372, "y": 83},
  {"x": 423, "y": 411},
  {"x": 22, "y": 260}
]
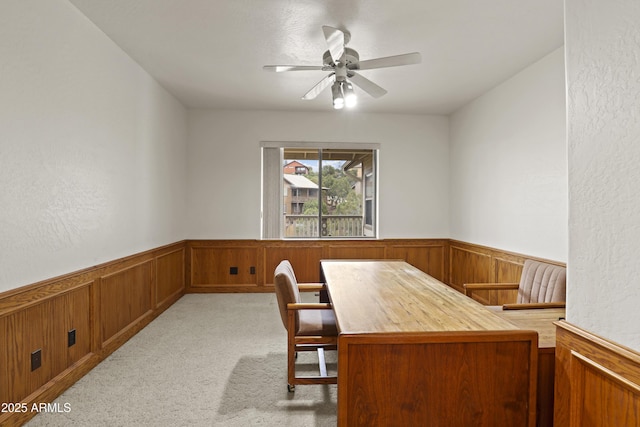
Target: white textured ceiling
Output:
[{"x": 210, "y": 53}]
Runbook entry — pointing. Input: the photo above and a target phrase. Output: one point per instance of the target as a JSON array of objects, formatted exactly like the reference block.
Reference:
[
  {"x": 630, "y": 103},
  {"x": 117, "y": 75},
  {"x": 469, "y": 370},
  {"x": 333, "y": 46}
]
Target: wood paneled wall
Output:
[
  {"x": 109, "y": 303},
  {"x": 105, "y": 305},
  {"x": 210, "y": 262},
  {"x": 597, "y": 381},
  {"x": 471, "y": 263}
]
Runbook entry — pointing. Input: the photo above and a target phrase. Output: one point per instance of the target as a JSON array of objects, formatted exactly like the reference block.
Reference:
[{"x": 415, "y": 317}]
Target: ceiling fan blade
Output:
[
  {"x": 367, "y": 85},
  {"x": 335, "y": 41},
  {"x": 391, "y": 61},
  {"x": 281, "y": 68},
  {"x": 319, "y": 87}
]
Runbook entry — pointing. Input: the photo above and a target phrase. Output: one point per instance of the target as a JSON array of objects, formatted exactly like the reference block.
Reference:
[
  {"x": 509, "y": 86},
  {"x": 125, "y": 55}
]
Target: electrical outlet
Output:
[
  {"x": 71, "y": 338},
  {"x": 36, "y": 359},
  {"x": 233, "y": 270}
]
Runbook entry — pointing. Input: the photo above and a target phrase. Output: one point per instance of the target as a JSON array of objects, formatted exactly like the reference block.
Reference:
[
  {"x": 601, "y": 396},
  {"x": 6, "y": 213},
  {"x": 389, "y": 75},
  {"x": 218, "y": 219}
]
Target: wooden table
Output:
[
  {"x": 541, "y": 321},
  {"x": 413, "y": 351}
]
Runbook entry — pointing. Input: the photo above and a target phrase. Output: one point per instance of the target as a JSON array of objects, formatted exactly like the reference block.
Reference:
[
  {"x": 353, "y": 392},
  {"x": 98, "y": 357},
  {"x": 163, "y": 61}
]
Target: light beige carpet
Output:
[{"x": 209, "y": 360}]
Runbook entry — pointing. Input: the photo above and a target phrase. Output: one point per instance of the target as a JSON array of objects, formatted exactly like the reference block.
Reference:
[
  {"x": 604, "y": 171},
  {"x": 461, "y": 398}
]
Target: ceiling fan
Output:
[{"x": 342, "y": 63}]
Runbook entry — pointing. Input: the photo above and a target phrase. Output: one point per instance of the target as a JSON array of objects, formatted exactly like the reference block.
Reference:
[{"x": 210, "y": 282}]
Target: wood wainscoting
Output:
[
  {"x": 597, "y": 381},
  {"x": 107, "y": 304},
  {"x": 104, "y": 306},
  {"x": 470, "y": 263},
  {"x": 248, "y": 265}
]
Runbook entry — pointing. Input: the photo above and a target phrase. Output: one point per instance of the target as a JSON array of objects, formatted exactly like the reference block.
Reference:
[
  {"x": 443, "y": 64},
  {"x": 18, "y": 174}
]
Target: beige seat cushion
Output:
[
  {"x": 317, "y": 322},
  {"x": 542, "y": 282}
]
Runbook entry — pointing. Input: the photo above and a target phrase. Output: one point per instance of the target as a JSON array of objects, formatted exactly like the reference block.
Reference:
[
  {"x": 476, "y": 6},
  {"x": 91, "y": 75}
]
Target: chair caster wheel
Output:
[{"x": 291, "y": 388}]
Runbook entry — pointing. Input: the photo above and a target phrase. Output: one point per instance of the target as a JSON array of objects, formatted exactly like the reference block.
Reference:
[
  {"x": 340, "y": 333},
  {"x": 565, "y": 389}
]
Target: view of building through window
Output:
[{"x": 328, "y": 193}]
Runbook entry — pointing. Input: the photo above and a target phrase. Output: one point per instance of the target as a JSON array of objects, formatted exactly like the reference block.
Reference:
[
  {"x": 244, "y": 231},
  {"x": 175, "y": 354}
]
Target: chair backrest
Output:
[
  {"x": 542, "y": 282},
  {"x": 286, "y": 286}
]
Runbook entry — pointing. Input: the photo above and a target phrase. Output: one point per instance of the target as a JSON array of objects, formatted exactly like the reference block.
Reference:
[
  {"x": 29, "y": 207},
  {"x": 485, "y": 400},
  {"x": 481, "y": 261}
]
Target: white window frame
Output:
[{"x": 271, "y": 183}]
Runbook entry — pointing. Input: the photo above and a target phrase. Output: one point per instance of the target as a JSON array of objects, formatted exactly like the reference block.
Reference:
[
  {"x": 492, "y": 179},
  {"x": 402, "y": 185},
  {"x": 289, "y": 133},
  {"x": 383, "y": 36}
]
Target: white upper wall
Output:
[
  {"x": 603, "y": 81},
  {"x": 508, "y": 164},
  {"x": 92, "y": 149},
  {"x": 225, "y": 165}
]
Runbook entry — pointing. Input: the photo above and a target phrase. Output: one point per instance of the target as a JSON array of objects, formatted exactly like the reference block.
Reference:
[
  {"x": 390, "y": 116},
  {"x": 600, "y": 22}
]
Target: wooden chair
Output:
[
  {"x": 542, "y": 285},
  {"x": 310, "y": 326}
]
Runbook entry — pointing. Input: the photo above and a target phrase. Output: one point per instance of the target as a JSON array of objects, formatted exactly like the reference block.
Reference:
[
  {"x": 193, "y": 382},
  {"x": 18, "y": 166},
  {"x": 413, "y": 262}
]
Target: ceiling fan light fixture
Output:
[
  {"x": 338, "y": 97},
  {"x": 344, "y": 63},
  {"x": 350, "y": 98}
]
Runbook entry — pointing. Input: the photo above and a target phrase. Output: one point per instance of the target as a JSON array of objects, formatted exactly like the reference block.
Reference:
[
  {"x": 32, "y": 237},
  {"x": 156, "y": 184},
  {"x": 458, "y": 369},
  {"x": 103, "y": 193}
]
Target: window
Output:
[
  {"x": 368, "y": 200},
  {"x": 335, "y": 197}
]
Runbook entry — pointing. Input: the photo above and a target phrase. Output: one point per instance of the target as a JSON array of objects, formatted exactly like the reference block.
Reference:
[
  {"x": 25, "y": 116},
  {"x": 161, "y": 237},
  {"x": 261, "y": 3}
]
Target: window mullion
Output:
[{"x": 320, "y": 193}]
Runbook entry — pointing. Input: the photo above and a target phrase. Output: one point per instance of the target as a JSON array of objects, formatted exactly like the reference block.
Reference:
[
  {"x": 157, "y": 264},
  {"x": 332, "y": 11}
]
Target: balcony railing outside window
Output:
[{"x": 332, "y": 226}]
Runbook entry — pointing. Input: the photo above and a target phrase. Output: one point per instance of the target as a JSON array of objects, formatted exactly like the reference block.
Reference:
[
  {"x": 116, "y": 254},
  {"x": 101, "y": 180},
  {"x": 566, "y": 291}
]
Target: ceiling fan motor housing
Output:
[
  {"x": 352, "y": 59},
  {"x": 346, "y": 66}
]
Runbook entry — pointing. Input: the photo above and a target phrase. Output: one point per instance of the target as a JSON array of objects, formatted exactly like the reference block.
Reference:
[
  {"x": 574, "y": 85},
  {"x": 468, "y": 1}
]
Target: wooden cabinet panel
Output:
[
  {"x": 465, "y": 383},
  {"x": 25, "y": 332},
  {"x": 125, "y": 296},
  {"x": 356, "y": 251},
  {"x": 78, "y": 310},
  {"x": 170, "y": 277},
  {"x": 507, "y": 270},
  {"x": 597, "y": 381},
  {"x": 429, "y": 259},
  {"x": 211, "y": 266},
  {"x": 304, "y": 259},
  {"x": 42, "y": 326},
  {"x": 469, "y": 266},
  {"x": 6, "y": 337}
]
